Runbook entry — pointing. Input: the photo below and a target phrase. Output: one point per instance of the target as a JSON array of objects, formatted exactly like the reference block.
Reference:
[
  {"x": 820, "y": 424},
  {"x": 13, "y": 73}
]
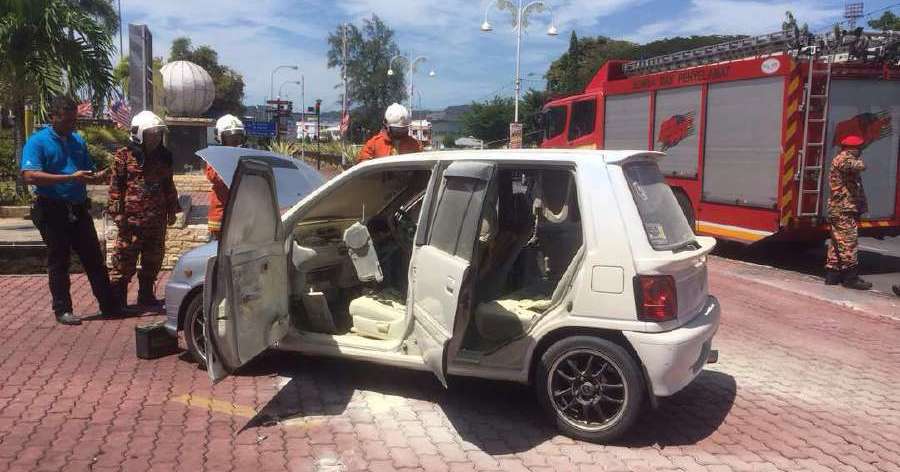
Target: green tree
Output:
[
  {"x": 489, "y": 120},
  {"x": 121, "y": 75},
  {"x": 229, "y": 83},
  {"x": 887, "y": 22},
  {"x": 371, "y": 90},
  {"x": 571, "y": 72},
  {"x": 50, "y": 47}
]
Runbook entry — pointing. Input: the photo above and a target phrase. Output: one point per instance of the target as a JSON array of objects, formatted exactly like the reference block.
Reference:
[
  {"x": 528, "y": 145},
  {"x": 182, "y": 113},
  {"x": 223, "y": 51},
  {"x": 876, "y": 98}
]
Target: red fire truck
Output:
[{"x": 749, "y": 128}]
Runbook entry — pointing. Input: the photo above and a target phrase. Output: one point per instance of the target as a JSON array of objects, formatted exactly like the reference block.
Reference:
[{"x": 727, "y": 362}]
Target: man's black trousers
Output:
[{"x": 66, "y": 227}]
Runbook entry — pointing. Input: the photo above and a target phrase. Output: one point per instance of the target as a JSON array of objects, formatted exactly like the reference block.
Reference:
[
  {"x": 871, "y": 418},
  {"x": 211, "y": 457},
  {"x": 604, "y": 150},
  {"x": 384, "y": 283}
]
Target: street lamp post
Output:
[
  {"x": 286, "y": 82},
  {"x": 272, "y": 80},
  {"x": 412, "y": 70},
  {"x": 520, "y": 16}
]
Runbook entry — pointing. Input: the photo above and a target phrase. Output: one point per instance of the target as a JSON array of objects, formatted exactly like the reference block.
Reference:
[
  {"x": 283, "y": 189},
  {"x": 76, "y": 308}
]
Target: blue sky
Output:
[{"x": 255, "y": 36}]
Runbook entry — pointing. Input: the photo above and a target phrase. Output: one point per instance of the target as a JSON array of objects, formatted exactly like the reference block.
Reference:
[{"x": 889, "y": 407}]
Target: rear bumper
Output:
[{"x": 674, "y": 358}]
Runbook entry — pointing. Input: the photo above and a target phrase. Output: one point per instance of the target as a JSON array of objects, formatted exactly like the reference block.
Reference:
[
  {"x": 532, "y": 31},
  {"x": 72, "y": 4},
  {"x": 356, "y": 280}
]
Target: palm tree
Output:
[
  {"x": 50, "y": 47},
  {"x": 101, "y": 10}
]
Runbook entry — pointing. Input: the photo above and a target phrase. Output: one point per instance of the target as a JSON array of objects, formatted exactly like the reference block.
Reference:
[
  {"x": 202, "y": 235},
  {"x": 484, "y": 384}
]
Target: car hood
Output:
[
  {"x": 202, "y": 252},
  {"x": 294, "y": 179}
]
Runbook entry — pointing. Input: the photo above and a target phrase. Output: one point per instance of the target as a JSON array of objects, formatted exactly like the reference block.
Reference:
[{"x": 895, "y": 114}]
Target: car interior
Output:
[{"x": 350, "y": 260}]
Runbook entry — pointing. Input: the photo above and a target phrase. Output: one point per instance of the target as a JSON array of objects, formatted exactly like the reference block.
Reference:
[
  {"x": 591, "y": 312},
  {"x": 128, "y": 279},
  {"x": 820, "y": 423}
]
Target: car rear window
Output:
[{"x": 664, "y": 221}]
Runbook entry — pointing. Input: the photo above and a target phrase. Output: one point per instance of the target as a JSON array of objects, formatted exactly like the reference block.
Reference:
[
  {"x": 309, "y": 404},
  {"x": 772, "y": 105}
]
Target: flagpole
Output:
[{"x": 121, "y": 44}]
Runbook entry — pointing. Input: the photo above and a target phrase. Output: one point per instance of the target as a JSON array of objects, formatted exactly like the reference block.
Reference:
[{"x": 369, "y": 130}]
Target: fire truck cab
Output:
[{"x": 749, "y": 128}]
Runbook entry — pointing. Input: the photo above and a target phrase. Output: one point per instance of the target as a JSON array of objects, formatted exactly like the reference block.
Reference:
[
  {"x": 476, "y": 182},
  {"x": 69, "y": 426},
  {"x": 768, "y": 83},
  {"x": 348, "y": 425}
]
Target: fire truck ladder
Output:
[{"x": 811, "y": 168}]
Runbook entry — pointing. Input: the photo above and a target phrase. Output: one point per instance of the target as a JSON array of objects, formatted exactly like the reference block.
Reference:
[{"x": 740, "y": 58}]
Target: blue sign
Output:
[{"x": 261, "y": 129}]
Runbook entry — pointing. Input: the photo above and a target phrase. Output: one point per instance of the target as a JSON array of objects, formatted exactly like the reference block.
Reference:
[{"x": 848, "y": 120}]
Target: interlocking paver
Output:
[{"x": 801, "y": 385}]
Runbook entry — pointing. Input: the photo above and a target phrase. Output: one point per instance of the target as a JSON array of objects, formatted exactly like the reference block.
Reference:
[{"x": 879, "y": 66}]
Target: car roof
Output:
[{"x": 573, "y": 156}]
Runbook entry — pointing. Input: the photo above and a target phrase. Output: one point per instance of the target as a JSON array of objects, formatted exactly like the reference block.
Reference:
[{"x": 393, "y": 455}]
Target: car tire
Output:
[
  {"x": 605, "y": 383},
  {"x": 687, "y": 207},
  {"x": 193, "y": 329}
]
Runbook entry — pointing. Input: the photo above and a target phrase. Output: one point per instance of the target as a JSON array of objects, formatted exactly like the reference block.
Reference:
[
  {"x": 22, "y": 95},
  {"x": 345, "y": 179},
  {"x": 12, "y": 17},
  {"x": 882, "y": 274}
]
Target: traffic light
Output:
[{"x": 318, "y": 105}]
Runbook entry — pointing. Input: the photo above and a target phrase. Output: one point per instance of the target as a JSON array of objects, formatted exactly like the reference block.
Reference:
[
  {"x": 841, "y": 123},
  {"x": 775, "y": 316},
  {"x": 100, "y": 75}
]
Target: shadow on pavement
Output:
[
  {"x": 497, "y": 417},
  {"x": 804, "y": 258},
  {"x": 687, "y": 417}
]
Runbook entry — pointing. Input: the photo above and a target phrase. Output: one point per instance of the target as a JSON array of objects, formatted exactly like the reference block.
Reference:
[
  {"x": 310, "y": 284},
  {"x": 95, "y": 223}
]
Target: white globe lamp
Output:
[{"x": 189, "y": 89}]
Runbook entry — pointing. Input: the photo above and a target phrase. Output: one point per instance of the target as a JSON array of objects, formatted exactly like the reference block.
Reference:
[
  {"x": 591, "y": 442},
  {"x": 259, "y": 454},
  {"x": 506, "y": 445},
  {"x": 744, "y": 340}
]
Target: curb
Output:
[
  {"x": 18, "y": 211},
  {"x": 872, "y": 304}
]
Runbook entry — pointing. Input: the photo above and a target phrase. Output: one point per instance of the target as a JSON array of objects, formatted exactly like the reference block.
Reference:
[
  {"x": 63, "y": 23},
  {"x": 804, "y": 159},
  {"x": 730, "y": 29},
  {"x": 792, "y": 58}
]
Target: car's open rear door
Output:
[
  {"x": 246, "y": 294},
  {"x": 442, "y": 259}
]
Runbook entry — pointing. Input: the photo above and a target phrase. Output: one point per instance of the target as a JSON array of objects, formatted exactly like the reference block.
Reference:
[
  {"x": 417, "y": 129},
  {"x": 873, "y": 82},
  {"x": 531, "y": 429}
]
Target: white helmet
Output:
[
  {"x": 226, "y": 125},
  {"x": 396, "y": 116},
  {"x": 144, "y": 121}
]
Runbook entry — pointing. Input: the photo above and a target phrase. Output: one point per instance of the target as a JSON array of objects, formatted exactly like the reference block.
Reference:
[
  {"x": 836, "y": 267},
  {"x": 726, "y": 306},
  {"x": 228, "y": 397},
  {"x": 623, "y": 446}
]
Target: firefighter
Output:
[
  {"x": 229, "y": 132},
  {"x": 394, "y": 137},
  {"x": 845, "y": 205},
  {"x": 142, "y": 202}
]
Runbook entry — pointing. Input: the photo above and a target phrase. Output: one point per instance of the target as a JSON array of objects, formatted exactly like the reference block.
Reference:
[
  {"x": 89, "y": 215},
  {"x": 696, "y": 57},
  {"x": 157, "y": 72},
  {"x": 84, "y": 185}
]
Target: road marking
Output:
[{"x": 217, "y": 406}]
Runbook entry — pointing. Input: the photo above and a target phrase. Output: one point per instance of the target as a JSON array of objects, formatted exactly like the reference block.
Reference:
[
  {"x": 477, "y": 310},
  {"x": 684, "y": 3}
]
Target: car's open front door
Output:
[
  {"x": 246, "y": 293},
  {"x": 442, "y": 259}
]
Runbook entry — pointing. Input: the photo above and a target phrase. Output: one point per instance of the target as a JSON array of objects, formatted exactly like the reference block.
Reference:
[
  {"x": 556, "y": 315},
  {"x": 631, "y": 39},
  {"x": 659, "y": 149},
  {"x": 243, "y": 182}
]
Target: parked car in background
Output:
[
  {"x": 184, "y": 290},
  {"x": 574, "y": 271}
]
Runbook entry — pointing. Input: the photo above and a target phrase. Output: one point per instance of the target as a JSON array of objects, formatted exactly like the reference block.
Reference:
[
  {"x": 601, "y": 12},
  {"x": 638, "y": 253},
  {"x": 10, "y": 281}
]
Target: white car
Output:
[{"x": 572, "y": 270}]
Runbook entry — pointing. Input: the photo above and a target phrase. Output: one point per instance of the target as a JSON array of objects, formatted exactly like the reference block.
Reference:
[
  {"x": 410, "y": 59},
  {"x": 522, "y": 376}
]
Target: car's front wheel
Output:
[
  {"x": 592, "y": 388},
  {"x": 194, "y": 331}
]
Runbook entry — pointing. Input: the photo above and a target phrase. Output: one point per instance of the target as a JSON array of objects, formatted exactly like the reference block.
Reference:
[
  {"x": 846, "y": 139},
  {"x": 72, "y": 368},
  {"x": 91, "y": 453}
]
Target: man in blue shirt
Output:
[{"x": 56, "y": 161}]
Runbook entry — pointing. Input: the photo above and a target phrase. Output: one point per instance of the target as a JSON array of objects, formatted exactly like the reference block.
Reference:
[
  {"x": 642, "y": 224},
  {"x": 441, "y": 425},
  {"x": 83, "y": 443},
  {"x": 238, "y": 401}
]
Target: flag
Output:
[
  {"x": 85, "y": 109},
  {"x": 120, "y": 113},
  {"x": 345, "y": 122}
]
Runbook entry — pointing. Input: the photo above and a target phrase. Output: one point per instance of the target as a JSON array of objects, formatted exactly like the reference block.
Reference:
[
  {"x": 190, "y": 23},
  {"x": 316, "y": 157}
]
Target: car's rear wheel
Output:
[
  {"x": 592, "y": 388},
  {"x": 194, "y": 331}
]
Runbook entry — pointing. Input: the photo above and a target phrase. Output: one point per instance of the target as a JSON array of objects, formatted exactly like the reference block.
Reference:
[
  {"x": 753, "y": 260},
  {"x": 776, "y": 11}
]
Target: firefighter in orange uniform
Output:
[
  {"x": 393, "y": 139},
  {"x": 845, "y": 205},
  {"x": 229, "y": 132}
]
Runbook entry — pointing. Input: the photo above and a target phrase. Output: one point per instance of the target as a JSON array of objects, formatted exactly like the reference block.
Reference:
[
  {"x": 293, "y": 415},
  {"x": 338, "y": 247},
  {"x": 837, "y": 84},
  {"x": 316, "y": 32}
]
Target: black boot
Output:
[
  {"x": 832, "y": 277},
  {"x": 146, "y": 295},
  {"x": 853, "y": 281},
  {"x": 896, "y": 289},
  {"x": 67, "y": 318},
  {"x": 119, "y": 296}
]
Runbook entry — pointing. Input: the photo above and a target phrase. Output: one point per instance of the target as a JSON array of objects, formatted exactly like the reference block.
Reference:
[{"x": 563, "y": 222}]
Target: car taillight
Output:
[{"x": 656, "y": 298}]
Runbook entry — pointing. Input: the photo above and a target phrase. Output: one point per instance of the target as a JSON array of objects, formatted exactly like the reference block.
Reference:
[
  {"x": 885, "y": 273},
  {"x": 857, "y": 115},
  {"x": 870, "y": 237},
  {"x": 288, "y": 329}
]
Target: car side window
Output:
[
  {"x": 455, "y": 216},
  {"x": 251, "y": 220}
]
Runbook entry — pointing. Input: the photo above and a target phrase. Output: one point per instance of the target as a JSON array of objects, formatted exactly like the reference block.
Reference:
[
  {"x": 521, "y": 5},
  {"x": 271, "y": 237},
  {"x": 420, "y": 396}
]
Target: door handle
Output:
[{"x": 451, "y": 285}]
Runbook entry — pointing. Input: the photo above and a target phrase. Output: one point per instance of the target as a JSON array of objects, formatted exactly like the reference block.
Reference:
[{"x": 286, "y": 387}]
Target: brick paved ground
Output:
[{"x": 801, "y": 385}]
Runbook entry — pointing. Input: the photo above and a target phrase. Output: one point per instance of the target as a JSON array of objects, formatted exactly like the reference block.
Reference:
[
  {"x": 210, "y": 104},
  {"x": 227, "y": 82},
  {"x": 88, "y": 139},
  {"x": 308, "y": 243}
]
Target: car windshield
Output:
[{"x": 664, "y": 221}]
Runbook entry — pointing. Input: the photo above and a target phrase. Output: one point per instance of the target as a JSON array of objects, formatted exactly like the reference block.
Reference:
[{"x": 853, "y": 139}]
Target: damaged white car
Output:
[{"x": 574, "y": 271}]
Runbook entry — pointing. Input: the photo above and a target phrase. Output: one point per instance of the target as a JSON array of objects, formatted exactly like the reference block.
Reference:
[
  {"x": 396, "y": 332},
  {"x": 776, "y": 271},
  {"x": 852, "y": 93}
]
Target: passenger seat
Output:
[{"x": 379, "y": 315}]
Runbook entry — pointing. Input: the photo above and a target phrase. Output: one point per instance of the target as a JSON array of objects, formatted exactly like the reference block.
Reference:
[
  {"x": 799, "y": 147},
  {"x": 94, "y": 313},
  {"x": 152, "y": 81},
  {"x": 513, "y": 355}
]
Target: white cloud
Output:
[{"x": 736, "y": 17}]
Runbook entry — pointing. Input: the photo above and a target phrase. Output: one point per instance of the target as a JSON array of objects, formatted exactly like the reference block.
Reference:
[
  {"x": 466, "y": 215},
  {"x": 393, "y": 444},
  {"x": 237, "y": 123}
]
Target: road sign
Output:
[
  {"x": 515, "y": 135},
  {"x": 260, "y": 128}
]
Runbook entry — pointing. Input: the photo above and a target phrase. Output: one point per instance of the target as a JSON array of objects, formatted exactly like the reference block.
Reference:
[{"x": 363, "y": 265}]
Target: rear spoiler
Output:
[{"x": 622, "y": 157}]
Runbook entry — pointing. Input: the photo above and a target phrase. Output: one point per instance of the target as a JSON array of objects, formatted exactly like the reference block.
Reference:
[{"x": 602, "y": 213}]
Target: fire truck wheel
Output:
[{"x": 686, "y": 207}]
